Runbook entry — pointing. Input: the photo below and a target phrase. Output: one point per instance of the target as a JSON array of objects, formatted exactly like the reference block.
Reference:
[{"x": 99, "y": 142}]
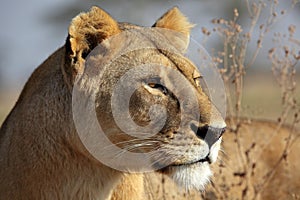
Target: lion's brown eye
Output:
[
  {"x": 152, "y": 85},
  {"x": 155, "y": 82},
  {"x": 158, "y": 86}
]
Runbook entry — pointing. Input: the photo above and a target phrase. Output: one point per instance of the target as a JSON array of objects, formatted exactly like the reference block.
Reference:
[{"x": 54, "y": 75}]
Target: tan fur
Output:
[
  {"x": 132, "y": 187},
  {"x": 41, "y": 155}
]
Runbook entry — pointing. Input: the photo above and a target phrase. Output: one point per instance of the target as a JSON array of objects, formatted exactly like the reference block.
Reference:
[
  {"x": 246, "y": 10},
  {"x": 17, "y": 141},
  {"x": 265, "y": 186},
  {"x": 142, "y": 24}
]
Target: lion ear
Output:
[
  {"x": 86, "y": 31},
  {"x": 174, "y": 20},
  {"x": 89, "y": 29}
]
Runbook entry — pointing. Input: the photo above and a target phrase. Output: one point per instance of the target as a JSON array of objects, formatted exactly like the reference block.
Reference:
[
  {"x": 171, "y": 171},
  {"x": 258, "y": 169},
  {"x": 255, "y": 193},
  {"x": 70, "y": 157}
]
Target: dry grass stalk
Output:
[{"x": 284, "y": 59}]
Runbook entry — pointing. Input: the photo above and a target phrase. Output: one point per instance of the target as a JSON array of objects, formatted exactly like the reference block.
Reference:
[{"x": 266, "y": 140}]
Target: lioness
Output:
[{"x": 41, "y": 154}]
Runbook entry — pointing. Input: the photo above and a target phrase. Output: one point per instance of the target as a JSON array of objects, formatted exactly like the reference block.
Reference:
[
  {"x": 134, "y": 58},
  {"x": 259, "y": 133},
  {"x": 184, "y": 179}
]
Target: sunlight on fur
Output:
[{"x": 41, "y": 153}]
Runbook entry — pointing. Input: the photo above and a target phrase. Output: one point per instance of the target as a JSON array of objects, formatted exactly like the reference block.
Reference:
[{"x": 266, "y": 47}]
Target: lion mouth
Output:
[
  {"x": 187, "y": 164},
  {"x": 203, "y": 160}
]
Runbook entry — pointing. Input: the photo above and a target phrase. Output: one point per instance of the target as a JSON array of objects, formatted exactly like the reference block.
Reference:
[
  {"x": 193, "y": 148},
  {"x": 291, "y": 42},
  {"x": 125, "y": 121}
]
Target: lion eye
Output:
[{"x": 158, "y": 86}]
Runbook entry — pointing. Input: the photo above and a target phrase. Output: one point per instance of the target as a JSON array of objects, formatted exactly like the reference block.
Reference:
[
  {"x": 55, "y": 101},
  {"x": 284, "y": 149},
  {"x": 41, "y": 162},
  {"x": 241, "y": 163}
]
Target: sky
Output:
[{"x": 33, "y": 29}]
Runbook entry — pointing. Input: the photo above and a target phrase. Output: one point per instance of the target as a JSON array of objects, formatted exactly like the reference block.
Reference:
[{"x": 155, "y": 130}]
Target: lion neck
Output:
[{"x": 56, "y": 154}]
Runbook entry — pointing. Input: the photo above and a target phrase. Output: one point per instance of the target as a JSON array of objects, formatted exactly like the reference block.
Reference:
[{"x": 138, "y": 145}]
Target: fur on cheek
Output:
[{"x": 192, "y": 177}]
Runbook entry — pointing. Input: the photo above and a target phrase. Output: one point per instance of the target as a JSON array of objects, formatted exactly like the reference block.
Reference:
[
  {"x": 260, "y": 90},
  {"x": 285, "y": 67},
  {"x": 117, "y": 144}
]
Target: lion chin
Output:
[{"x": 192, "y": 176}]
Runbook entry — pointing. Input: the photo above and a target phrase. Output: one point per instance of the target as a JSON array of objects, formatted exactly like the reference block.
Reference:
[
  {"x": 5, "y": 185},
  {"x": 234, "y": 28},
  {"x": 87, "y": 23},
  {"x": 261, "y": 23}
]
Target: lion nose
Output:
[{"x": 207, "y": 133}]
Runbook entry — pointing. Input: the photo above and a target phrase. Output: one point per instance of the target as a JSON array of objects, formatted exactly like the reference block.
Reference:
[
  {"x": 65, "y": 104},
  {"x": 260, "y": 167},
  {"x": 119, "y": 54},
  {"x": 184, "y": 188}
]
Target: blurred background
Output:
[{"x": 33, "y": 29}]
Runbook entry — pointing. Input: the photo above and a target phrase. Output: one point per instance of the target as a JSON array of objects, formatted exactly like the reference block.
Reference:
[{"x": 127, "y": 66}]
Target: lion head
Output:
[{"x": 146, "y": 94}]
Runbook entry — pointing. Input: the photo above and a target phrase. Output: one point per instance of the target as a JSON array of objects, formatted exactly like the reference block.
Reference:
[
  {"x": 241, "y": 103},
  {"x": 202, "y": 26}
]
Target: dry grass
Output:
[{"x": 284, "y": 57}]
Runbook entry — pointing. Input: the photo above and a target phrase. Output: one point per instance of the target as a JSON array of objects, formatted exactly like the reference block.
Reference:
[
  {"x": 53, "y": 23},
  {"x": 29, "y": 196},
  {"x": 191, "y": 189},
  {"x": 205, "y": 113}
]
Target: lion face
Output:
[
  {"x": 149, "y": 100},
  {"x": 186, "y": 146}
]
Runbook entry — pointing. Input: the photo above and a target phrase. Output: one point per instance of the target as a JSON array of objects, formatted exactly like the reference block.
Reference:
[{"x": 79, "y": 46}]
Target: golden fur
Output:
[
  {"x": 41, "y": 155},
  {"x": 175, "y": 20}
]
